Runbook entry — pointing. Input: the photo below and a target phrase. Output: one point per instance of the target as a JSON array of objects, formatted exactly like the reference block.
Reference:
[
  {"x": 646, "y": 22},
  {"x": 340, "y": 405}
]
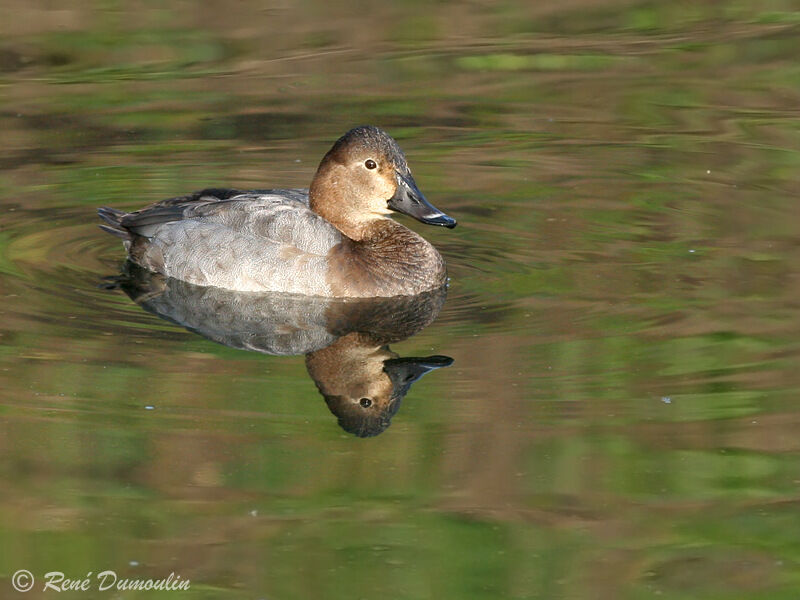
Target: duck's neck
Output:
[{"x": 388, "y": 259}]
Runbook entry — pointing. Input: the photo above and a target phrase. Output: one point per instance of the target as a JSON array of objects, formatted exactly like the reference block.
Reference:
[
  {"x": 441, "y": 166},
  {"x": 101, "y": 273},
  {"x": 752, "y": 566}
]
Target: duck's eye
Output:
[
  {"x": 370, "y": 164},
  {"x": 365, "y": 402}
]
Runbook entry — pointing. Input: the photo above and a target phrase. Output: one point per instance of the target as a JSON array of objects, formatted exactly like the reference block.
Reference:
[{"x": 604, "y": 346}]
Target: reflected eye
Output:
[
  {"x": 370, "y": 164},
  {"x": 365, "y": 402}
]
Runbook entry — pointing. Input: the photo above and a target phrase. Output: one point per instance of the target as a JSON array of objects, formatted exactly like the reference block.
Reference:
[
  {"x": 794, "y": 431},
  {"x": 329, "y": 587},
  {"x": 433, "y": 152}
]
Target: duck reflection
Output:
[{"x": 345, "y": 340}]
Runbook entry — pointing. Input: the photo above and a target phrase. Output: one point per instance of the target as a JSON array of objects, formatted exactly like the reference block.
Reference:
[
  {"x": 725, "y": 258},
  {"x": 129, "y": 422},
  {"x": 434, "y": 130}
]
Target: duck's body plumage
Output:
[
  {"x": 267, "y": 240},
  {"x": 274, "y": 241}
]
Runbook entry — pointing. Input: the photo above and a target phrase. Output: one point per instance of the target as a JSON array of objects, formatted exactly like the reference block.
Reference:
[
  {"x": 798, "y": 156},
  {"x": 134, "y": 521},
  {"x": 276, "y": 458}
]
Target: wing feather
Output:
[{"x": 259, "y": 240}]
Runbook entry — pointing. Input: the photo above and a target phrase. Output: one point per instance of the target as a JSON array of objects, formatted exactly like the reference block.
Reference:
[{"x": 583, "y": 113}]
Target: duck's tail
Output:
[{"x": 113, "y": 218}]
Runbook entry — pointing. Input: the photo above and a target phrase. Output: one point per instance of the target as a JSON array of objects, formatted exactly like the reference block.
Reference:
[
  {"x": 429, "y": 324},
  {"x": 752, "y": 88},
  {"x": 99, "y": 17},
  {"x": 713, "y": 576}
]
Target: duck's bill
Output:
[
  {"x": 405, "y": 371},
  {"x": 410, "y": 201}
]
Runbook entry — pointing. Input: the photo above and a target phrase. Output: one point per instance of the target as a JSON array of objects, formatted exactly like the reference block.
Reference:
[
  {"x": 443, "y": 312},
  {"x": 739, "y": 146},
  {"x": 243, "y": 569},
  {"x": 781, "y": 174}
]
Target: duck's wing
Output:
[
  {"x": 280, "y": 216},
  {"x": 263, "y": 240},
  {"x": 140, "y": 222}
]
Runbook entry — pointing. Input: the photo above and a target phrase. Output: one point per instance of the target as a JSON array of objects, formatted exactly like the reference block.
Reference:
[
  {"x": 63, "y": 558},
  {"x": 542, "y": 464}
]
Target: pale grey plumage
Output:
[{"x": 254, "y": 241}]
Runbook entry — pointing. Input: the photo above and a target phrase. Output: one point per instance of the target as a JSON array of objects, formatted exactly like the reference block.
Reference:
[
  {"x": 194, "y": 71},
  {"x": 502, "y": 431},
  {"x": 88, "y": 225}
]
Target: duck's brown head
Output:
[{"x": 364, "y": 177}]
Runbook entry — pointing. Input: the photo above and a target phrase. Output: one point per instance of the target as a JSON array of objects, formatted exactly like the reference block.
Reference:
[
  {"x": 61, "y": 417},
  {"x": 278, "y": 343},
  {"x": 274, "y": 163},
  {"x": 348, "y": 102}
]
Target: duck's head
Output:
[{"x": 365, "y": 177}]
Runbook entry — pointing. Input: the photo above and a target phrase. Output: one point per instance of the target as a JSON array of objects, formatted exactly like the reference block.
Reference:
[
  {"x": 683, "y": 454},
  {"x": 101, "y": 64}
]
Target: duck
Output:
[{"x": 335, "y": 239}]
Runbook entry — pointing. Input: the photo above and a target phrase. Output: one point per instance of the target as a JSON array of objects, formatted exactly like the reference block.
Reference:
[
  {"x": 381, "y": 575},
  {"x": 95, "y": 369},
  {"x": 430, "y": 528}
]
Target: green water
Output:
[{"x": 621, "y": 417}]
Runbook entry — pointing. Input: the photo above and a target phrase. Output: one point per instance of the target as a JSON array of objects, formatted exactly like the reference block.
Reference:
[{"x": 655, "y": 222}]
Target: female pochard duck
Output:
[{"x": 334, "y": 240}]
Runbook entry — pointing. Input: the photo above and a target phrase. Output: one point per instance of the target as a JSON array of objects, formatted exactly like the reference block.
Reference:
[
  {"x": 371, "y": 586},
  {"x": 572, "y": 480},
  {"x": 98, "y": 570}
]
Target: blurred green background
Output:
[{"x": 621, "y": 421}]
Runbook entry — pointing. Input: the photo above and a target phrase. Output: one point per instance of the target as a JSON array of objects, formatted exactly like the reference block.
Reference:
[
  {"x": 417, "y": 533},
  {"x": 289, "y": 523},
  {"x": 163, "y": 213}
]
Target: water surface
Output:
[{"x": 620, "y": 419}]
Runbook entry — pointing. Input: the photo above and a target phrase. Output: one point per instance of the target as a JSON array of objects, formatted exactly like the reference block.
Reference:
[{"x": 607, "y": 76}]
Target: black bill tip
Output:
[{"x": 441, "y": 220}]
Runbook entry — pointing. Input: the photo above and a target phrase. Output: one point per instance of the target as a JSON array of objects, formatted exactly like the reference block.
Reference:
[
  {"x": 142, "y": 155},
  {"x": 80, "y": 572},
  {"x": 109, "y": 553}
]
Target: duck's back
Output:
[{"x": 262, "y": 240}]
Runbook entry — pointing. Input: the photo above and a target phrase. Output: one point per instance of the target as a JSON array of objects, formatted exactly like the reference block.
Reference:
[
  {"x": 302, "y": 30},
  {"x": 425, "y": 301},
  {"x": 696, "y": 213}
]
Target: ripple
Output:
[{"x": 53, "y": 264}]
